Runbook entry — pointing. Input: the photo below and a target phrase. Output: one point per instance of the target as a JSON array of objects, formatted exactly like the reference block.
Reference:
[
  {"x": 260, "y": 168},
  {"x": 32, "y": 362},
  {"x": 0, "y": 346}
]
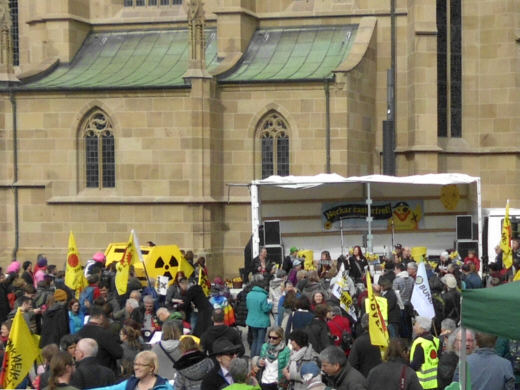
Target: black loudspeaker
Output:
[
  {"x": 464, "y": 227},
  {"x": 272, "y": 233},
  {"x": 275, "y": 254},
  {"x": 464, "y": 246}
]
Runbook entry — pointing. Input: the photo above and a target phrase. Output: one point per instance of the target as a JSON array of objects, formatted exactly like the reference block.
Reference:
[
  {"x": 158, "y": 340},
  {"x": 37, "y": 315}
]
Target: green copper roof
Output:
[
  {"x": 302, "y": 53},
  {"x": 137, "y": 59}
]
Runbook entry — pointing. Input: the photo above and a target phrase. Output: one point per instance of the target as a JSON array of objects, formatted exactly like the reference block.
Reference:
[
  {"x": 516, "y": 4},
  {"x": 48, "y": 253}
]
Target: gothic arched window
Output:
[
  {"x": 273, "y": 133},
  {"x": 98, "y": 140}
]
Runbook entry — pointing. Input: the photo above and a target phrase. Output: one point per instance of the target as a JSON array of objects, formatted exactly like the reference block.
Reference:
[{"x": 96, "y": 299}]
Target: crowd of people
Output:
[{"x": 284, "y": 329}]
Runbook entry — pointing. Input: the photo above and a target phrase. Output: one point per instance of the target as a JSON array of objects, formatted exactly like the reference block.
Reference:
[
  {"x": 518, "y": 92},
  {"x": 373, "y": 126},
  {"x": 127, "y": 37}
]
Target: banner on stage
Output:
[{"x": 406, "y": 215}]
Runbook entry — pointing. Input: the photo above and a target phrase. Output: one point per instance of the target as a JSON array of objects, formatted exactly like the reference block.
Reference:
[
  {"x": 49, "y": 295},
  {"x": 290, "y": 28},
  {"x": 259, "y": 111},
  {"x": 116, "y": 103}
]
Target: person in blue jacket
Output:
[
  {"x": 258, "y": 309},
  {"x": 146, "y": 366}
]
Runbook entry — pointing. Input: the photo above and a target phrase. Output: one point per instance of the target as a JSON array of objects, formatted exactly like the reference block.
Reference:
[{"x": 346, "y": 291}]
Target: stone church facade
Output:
[{"x": 137, "y": 114}]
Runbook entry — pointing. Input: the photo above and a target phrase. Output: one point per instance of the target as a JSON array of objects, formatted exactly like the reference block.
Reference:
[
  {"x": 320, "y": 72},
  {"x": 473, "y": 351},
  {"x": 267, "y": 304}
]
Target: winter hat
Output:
[
  {"x": 310, "y": 368},
  {"x": 218, "y": 280},
  {"x": 42, "y": 262},
  {"x": 445, "y": 254},
  {"x": 293, "y": 249},
  {"x": 60, "y": 295},
  {"x": 225, "y": 347},
  {"x": 99, "y": 257},
  {"x": 297, "y": 262},
  {"x": 449, "y": 280},
  {"x": 13, "y": 267}
]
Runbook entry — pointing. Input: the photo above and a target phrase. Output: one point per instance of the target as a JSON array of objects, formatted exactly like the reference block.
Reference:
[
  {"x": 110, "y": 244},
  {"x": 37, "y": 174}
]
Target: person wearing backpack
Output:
[
  {"x": 364, "y": 356},
  {"x": 301, "y": 353},
  {"x": 318, "y": 330},
  {"x": 340, "y": 329}
]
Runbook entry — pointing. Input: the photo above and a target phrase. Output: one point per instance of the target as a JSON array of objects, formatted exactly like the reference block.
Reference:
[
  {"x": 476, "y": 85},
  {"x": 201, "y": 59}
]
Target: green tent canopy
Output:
[{"x": 493, "y": 310}]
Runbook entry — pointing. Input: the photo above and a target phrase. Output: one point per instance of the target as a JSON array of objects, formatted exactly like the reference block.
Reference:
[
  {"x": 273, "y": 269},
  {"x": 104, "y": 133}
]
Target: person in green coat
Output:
[
  {"x": 274, "y": 358},
  {"x": 258, "y": 309}
]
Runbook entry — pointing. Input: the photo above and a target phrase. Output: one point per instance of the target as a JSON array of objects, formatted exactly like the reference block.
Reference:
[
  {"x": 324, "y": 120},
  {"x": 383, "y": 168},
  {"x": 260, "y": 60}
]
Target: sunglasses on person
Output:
[{"x": 273, "y": 337}]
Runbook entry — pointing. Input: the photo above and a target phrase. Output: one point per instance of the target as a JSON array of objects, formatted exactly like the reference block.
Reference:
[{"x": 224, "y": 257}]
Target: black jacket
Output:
[
  {"x": 90, "y": 374},
  {"x": 394, "y": 312},
  {"x": 216, "y": 332},
  {"x": 109, "y": 348},
  {"x": 213, "y": 380},
  {"x": 55, "y": 325},
  {"x": 364, "y": 356},
  {"x": 319, "y": 335},
  {"x": 241, "y": 306},
  {"x": 196, "y": 295},
  {"x": 388, "y": 376},
  {"x": 347, "y": 379},
  {"x": 357, "y": 268}
]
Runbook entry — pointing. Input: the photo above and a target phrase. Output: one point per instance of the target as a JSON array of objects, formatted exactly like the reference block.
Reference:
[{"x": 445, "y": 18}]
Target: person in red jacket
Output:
[
  {"x": 338, "y": 325},
  {"x": 472, "y": 258}
]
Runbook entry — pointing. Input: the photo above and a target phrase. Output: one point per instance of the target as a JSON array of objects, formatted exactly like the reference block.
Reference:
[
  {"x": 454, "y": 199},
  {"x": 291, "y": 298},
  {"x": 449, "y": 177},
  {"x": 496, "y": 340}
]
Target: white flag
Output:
[
  {"x": 338, "y": 282},
  {"x": 422, "y": 300}
]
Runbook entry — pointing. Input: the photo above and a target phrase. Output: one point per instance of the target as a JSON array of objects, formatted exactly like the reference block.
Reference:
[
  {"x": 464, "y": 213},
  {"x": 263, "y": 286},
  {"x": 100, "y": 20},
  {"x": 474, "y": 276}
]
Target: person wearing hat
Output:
[
  {"x": 40, "y": 270},
  {"x": 55, "y": 322},
  {"x": 311, "y": 375},
  {"x": 288, "y": 262},
  {"x": 13, "y": 268},
  {"x": 297, "y": 266},
  {"x": 224, "y": 351},
  {"x": 451, "y": 297}
]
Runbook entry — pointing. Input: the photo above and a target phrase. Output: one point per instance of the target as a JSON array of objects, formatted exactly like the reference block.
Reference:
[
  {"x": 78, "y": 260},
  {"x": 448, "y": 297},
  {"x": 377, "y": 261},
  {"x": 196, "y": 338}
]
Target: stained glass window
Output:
[
  {"x": 99, "y": 151},
  {"x": 274, "y": 145}
]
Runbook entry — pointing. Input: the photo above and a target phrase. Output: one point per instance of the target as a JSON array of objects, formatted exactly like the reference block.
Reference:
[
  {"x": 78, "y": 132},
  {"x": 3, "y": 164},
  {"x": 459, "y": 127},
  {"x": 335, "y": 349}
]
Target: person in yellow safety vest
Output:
[{"x": 424, "y": 354}]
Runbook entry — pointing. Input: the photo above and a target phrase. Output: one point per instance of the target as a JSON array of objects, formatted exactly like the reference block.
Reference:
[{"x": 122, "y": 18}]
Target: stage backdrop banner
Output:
[{"x": 406, "y": 215}]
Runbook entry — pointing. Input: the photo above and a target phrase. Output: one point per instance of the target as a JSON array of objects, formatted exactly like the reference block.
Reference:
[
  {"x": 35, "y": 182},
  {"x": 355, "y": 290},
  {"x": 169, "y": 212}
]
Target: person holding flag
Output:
[
  {"x": 20, "y": 353},
  {"x": 130, "y": 257},
  {"x": 505, "y": 241},
  {"x": 377, "y": 326},
  {"x": 74, "y": 277},
  {"x": 204, "y": 282}
]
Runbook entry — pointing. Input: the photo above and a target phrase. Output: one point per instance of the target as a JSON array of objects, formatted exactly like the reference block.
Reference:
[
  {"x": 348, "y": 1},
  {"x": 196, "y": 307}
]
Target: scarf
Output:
[
  {"x": 273, "y": 351},
  {"x": 296, "y": 356}
]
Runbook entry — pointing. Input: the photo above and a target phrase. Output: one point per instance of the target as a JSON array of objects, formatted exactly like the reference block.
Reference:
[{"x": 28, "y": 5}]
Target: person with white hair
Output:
[
  {"x": 89, "y": 373},
  {"x": 444, "y": 261},
  {"x": 424, "y": 354}
]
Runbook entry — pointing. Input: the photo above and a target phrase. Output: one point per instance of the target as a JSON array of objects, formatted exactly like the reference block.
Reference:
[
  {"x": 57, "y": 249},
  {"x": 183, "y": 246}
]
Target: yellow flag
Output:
[
  {"x": 123, "y": 266},
  {"x": 517, "y": 276},
  {"x": 185, "y": 267},
  {"x": 505, "y": 242},
  {"x": 204, "y": 282},
  {"x": 376, "y": 324},
  {"x": 20, "y": 353},
  {"x": 74, "y": 276}
]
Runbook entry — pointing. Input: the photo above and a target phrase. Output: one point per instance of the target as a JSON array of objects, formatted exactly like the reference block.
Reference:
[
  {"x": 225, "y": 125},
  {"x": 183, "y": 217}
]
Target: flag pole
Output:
[{"x": 141, "y": 259}]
